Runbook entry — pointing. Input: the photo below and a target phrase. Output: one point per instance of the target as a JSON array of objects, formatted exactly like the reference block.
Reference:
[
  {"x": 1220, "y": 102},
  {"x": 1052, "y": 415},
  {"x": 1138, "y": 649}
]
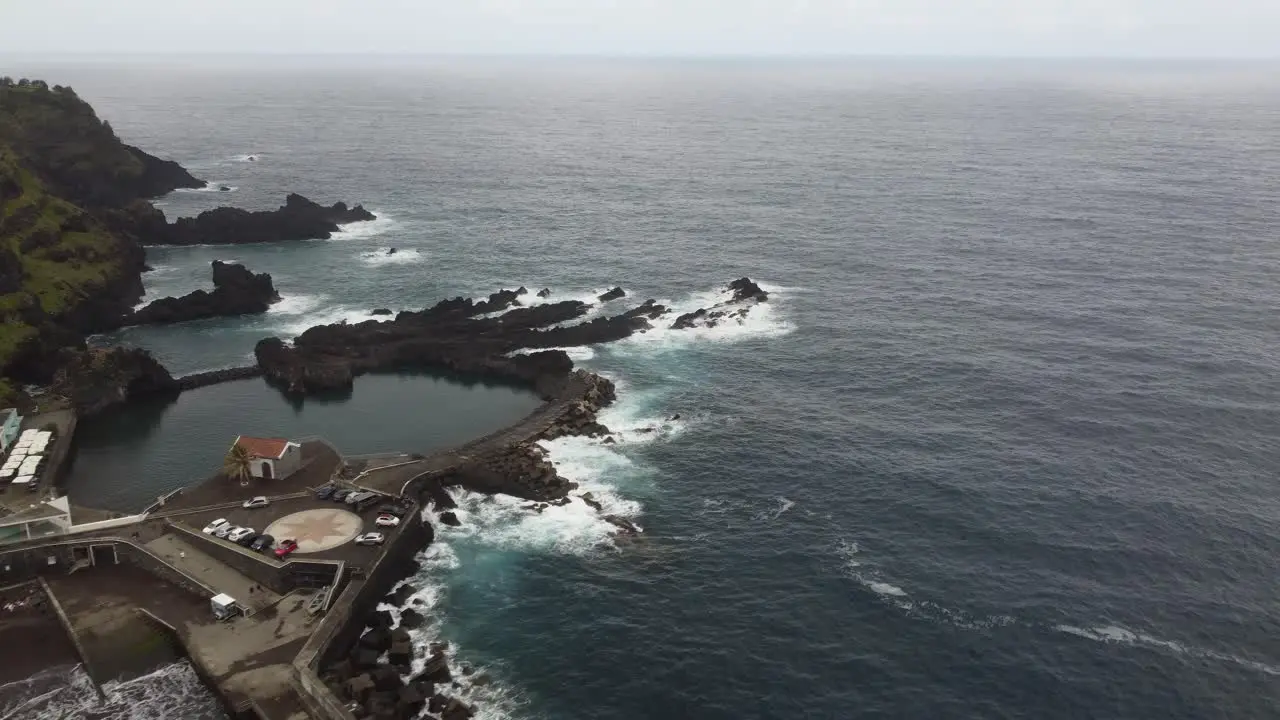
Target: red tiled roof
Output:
[{"x": 263, "y": 447}]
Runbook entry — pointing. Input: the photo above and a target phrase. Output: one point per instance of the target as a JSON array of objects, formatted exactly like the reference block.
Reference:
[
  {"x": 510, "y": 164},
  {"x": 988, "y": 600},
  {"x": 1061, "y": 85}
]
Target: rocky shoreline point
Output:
[
  {"x": 376, "y": 675},
  {"x": 236, "y": 291}
]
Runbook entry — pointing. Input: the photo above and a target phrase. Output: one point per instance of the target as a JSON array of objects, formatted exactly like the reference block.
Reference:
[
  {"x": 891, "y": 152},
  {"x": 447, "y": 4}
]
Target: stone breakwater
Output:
[{"x": 376, "y": 672}]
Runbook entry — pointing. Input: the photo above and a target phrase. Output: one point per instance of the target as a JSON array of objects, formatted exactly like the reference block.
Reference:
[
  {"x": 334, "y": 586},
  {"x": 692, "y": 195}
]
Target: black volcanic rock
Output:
[
  {"x": 745, "y": 289},
  {"x": 236, "y": 291},
  {"x": 743, "y": 294},
  {"x": 158, "y": 176},
  {"x": 613, "y": 294},
  {"x": 380, "y": 311},
  {"x": 298, "y": 219},
  {"x": 544, "y": 293},
  {"x": 97, "y": 379}
]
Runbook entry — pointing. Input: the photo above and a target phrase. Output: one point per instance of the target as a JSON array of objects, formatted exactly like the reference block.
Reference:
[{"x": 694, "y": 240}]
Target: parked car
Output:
[
  {"x": 390, "y": 509},
  {"x": 340, "y": 495},
  {"x": 248, "y": 540},
  {"x": 260, "y": 501},
  {"x": 370, "y": 538},
  {"x": 214, "y": 526},
  {"x": 324, "y": 492},
  {"x": 387, "y": 521},
  {"x": 286, "y": 547},
  {"x": 225, "y": 530},
  {"x": 239, "y": 534},
  {"x": 262, "y": 542},
  {"x": 356, "y": 497},
  {"x": 367, "y": 503}
]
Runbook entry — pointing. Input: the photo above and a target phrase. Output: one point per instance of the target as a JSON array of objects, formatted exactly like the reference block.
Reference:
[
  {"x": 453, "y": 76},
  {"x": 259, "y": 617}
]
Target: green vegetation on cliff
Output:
[{"x": 70, "y": 224}]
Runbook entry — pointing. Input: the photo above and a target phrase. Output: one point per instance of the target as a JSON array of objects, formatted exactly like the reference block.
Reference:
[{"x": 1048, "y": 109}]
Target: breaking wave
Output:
[
  {"x": 761, "y": 320},
  {"x": 365, "y": 229}
]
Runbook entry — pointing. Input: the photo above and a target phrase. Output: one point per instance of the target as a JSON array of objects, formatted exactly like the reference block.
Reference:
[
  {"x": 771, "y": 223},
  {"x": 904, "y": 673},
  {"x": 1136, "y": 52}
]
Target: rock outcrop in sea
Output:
[
  {"x": 298, "y": 219},
  {"x": 236, "y": 291}
]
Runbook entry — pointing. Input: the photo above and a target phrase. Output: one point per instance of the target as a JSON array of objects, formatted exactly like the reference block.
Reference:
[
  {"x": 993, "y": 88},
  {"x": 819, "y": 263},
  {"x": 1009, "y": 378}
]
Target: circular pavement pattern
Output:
[{"x": 317, "y": 530}]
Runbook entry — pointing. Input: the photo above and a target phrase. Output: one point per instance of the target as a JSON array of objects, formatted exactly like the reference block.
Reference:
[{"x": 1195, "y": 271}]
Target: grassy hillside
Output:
[{"x": 61, "y": 269}]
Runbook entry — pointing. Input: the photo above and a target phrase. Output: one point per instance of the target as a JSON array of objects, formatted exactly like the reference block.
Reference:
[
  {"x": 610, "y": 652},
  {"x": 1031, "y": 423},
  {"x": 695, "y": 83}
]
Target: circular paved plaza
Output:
[{"x": 317, "y": 530}]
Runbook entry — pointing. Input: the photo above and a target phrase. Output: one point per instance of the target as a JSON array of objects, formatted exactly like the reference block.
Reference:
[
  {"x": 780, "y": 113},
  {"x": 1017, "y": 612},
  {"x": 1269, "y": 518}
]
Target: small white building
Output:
[{"x": 271, "y": 458}]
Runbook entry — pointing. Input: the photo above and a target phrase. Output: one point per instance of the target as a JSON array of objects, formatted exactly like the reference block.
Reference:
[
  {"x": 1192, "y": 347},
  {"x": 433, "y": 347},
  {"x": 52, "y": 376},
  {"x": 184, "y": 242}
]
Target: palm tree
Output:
[{"x": 236, "y": 464}]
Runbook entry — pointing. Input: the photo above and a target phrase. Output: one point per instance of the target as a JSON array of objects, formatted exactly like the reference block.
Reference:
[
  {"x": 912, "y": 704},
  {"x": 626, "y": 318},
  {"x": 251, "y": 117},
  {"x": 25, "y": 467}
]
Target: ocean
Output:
[{"x": 1002, "y": 443}]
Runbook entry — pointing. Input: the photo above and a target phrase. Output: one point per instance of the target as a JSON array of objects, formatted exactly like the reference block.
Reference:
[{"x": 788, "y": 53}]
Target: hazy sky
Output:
[{"x": 665, "y": 27}]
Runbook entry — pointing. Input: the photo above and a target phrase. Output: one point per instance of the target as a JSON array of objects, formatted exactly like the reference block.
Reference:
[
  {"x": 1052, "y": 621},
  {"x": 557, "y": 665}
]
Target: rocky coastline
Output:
[
  {"x": 236, "y": 291},
  {"x": 75, "y": 218}
]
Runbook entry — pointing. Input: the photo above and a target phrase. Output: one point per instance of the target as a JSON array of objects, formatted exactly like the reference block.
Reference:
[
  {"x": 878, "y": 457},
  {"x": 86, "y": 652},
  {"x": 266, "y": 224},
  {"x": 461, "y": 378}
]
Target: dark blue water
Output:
[{"x": 1003, "y": 443}]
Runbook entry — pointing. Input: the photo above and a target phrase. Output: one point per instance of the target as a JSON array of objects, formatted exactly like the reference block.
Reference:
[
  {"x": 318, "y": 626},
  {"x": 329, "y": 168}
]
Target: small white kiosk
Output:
[{"x": 224, "y": 606}]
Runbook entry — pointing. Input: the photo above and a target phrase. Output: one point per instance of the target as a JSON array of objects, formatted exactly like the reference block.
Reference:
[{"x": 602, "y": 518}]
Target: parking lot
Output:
[{"x": 260, "y": 518}]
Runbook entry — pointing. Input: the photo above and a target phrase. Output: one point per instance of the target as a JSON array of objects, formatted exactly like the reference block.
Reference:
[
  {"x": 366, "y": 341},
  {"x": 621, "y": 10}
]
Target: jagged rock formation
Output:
[
  {"x": 743, "y": 294},
  {"x": 378, "y": 689},
  {"x": 298, "y": 219},
  {"x": 236, "y": 291},
  {"x": 454, "y": 336},
  {"x": 97, "y": 379}
]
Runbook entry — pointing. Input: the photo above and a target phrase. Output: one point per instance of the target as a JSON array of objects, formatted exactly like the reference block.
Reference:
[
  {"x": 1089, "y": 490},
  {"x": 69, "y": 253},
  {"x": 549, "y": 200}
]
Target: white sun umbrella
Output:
[
  {"x": 37, "y": 447},
  {"x": 7, "y": 472},
  {"x": 24, "y": 479}
]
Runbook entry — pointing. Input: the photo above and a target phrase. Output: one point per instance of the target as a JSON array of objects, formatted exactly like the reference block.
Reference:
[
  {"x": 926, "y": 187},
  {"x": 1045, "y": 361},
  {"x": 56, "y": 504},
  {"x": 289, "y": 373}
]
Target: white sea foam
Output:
[
  {"x": 365, "y": 229},
  {"x": 775, "y": 512},
  {"x": 173, "y": 691},
  {"x": 381, "y": 256},
  {"x": 884, "y": 588},
  {"x": 576, "y": 354},
  {"x": 253, "y": 157},
  {"x": 298, "y": 323},
  {"x": 761, "y": 320},
  {"x": 296, "y": 304},
  {"x": 1115, "y": 634},
  {"x": 210, "y": 187}
]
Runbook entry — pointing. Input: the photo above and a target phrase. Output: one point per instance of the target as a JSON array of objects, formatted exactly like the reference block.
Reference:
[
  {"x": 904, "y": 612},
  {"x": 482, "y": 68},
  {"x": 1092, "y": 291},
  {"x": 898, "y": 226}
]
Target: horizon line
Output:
[{"x": 376, "y": 54}]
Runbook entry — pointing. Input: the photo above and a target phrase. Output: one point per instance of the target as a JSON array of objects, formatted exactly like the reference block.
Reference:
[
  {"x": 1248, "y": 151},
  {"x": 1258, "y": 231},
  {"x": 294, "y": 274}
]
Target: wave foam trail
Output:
[
  {"x": 364, "y": 229},
  {"x": 383, "y": 256},
  {"x": 784, "y": 504},
  {"x": 173, "y": 691},
  {"x": 1113, "y": 634}
]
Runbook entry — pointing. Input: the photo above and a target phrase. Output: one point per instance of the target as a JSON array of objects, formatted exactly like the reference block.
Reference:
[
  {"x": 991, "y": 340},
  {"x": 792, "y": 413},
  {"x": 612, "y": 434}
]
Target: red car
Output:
[{"x": 285, "y": 547}]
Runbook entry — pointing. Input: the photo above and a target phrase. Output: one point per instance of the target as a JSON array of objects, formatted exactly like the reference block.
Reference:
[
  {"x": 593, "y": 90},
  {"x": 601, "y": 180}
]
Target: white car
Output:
[
  {"x": 370, "y": 539},
  {"x": 240, "y": 533},
  {"x": 387, "y": 521},
  {"x": 260, "y": 501},
  {"x": 225, "y": 530},
  {"x": 216, "y": 525}
]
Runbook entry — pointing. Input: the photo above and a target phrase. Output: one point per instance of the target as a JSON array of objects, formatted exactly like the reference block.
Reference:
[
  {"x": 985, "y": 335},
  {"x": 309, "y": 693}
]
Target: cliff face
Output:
[
  {"x": 71, "y": 223},
  {"x": 74, "y": 218}
]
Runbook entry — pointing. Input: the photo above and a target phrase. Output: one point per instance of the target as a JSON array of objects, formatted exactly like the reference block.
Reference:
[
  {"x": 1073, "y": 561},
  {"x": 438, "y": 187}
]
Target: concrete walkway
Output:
[{"x": 215, "y": 574}]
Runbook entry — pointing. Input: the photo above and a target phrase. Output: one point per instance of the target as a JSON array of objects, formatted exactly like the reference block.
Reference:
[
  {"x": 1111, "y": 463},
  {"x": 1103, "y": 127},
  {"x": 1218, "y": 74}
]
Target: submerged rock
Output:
[
  {"x": 449, "y": 518},
  {"x": 613, "y": 294}
]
